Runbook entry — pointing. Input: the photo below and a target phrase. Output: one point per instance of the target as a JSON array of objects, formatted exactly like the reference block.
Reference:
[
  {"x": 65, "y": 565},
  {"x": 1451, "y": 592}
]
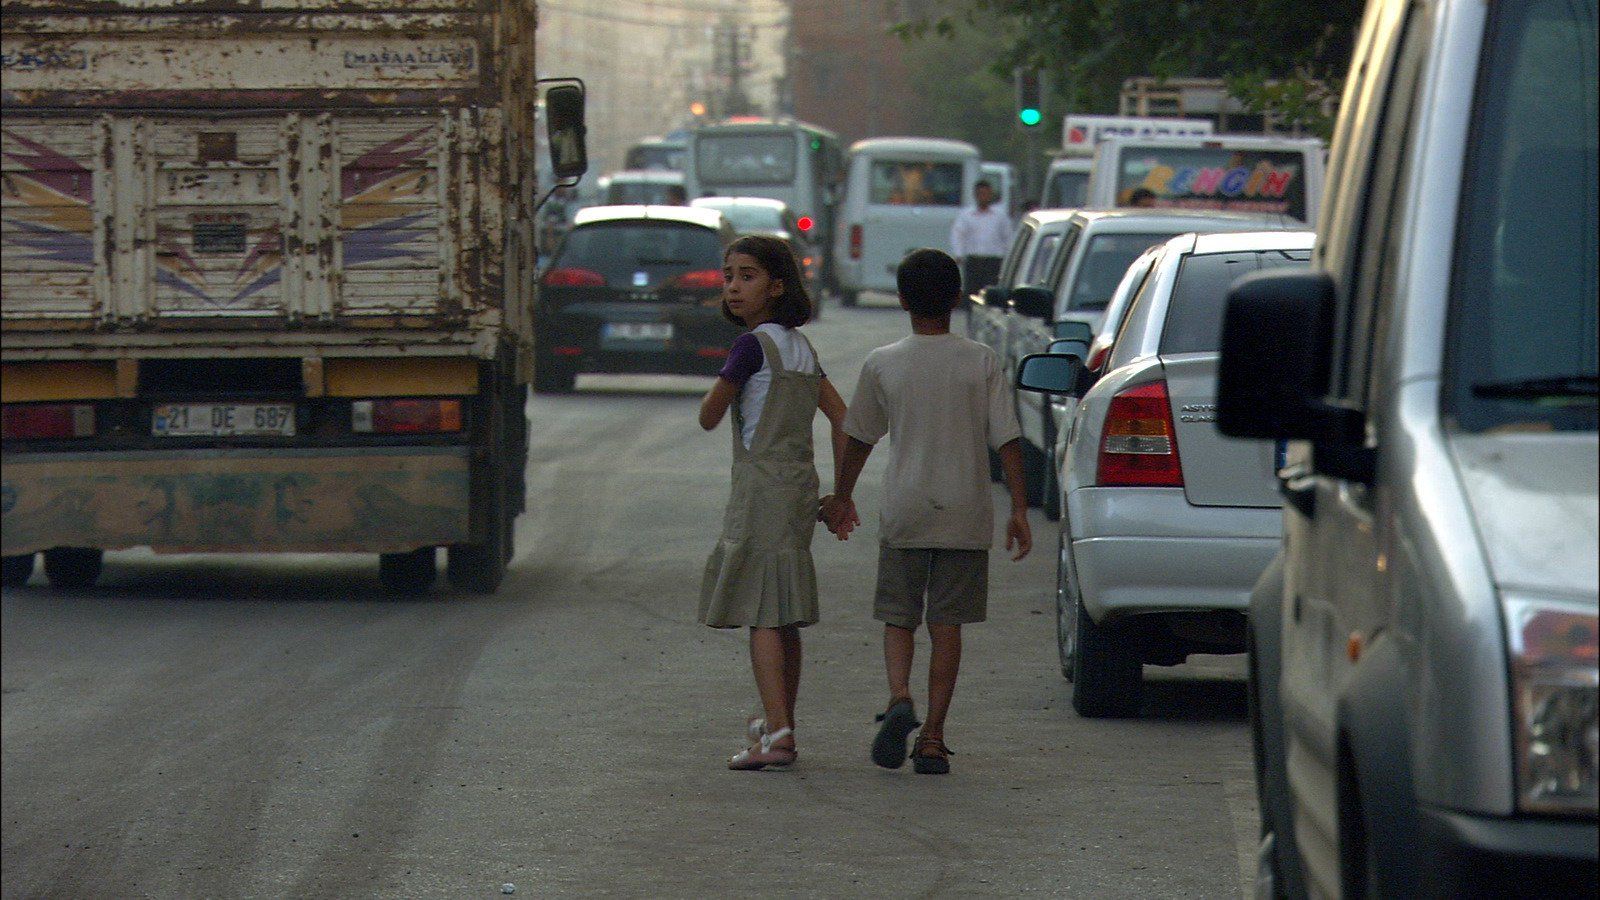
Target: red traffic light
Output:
[{"x": 805, "y": 223}]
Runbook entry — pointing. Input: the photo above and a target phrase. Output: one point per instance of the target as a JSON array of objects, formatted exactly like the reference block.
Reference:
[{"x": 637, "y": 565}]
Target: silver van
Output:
[{"x": 1424, "y": 669}]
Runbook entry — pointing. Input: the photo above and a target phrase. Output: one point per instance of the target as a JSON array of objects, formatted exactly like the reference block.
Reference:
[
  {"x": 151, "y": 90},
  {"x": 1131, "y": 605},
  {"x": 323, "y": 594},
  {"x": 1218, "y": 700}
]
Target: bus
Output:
[{"x": 784, "y": 159}]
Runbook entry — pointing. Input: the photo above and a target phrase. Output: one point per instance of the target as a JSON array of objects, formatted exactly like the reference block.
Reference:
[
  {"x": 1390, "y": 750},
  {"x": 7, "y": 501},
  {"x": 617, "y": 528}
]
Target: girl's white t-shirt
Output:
[{"x": 796, "y": 355}]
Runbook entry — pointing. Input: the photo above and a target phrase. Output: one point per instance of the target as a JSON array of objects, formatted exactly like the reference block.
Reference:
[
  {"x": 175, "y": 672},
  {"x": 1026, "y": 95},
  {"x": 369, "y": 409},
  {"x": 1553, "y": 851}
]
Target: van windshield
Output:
[
  {"x": 1523, "y": 318},
  {"x": 745, "y": 158},
  {"x": 1066, "y": 190},
  {"x": 1259, "y": 181},
  {"x": 1104, "y": 263},
  {"x": 639, "y": 192}
]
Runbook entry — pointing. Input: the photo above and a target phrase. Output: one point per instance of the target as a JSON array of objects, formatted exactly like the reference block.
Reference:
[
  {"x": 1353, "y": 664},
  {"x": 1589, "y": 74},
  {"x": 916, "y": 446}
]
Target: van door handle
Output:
[{"x": 1299, "y": 488}]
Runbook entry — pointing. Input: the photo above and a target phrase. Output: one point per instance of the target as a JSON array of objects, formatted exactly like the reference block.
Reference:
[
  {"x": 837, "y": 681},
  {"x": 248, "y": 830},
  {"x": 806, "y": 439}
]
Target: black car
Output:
[{"x": 634, "y": 289}]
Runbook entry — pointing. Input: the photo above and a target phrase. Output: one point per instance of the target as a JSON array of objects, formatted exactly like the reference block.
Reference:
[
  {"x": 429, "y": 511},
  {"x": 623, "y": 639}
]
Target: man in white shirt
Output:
[{"x": 980, "y": 238}]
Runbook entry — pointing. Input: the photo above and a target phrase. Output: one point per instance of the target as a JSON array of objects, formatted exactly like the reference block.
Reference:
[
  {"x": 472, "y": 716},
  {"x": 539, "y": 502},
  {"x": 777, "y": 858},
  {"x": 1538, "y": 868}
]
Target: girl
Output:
[{"x": 760, "y": 575}]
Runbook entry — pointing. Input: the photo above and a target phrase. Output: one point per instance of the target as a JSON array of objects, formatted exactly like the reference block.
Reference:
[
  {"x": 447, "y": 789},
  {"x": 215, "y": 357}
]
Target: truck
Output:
[{"x": 268, "y": 280}]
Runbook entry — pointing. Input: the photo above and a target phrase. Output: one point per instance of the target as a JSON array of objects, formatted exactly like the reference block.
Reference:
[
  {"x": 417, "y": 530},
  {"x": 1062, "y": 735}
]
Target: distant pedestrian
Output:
[
  {"x": 980, "y": 238},
  {"x": 944, "y": 402},
  {"x": 760, "y": 575}
]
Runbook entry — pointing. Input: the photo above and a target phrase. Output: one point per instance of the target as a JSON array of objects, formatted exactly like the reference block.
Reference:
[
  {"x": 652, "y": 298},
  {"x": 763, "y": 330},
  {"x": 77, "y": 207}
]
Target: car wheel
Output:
[
  {"x": 1033, "y": 475},
  {"x": 18, "y": 569},
  {"x": 552, "y": 377},
  {"x": 412, "y": 572},
  {"x": 996, "y": 472},
  {"x": 1107, "y": 677},
  {"x": 73, "y": 568},
  {"x": 1051, "y": 501},
  {"x": 1066, "y": 611}
]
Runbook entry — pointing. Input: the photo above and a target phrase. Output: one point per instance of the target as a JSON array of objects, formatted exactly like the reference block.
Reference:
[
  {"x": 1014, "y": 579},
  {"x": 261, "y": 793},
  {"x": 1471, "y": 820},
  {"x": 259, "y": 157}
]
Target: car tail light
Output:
[
  {"x": 1139, "y": 446},
  {"x": 572, "y": 277},
  {"x": 47, "y": 420},
  {"x": 806, "y": 223},
  {"x": 405, "y": 416},
  {"x": 701, "y": 279},
  {"x": 855, "y": 241}
]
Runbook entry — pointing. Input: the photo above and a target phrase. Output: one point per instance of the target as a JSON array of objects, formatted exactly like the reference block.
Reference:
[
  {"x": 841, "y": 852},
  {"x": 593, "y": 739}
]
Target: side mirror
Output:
[
  {"x": 1036, "y": 302},
  {"x": 1074, "y": 330},
  {"x": 995, "y": 295},
  {"x": 1050, "y": 373},
  {"x": 1277, "y": 353},
  {"x": 1080, "y": 349},
  {"x": 569, "y": 152}
]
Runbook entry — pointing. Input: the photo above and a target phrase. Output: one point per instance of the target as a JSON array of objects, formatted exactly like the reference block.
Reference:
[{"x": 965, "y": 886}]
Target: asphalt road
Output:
[{"x": 260, "y": 726}]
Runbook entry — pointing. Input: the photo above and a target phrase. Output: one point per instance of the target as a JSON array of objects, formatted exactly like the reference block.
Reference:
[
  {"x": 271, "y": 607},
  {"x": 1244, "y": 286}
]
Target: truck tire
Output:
[
  {"x": 73, "y": 568},
  {"x": 18, "y": 569},
  {"x": 1107, "y": 677},
  {"x": 412, "y": 572},
  {"x": 551, "y": 377},
  {"x": 479, "y": 567}
]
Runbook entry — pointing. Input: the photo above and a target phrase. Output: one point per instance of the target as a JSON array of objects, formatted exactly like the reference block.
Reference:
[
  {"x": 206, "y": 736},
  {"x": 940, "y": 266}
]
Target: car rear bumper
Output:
[
  {"x": 1143, "y": 550},
  {"x": 1470, "y": 855},
  {"x": 362, "y": 499}
]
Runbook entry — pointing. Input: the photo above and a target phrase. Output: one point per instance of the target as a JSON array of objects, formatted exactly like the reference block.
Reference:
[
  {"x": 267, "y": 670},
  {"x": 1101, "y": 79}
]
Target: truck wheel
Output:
[
  {"x": 479, "y": 568},
  {"x": 18, "y": 569},
  {"x": 1107, "y": 677},
  {"x": 551, "y": 377},
  {"x": 73, "y": 568},
  {"x": 408, "y": 573}
]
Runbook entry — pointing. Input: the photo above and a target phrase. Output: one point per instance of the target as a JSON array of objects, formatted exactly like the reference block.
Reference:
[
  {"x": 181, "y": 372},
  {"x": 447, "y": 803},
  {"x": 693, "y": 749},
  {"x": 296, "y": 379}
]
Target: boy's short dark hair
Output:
[{"x": 929, "y": 282}]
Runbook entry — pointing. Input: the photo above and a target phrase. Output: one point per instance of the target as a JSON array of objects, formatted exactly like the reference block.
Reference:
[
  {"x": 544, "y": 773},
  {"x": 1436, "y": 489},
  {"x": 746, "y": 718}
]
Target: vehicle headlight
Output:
[{"x": 1554, "y": 686}]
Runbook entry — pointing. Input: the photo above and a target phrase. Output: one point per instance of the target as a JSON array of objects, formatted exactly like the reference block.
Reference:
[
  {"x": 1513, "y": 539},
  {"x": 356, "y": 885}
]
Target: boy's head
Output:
[{"x": 929, "y": 282}]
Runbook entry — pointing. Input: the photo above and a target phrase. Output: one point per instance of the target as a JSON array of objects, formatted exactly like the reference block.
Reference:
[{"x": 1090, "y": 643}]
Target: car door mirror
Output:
[
  {"x": 1080, "y": 349},
  {"x": 1074, "y": 330},
  {"x": 1277, "y": 353},
  {"x": 569, "y": 153},
  {"x": 1051, "y": 373},
  {"x": 1035, "y": 302},
  {"x": 994, "y": 295}
]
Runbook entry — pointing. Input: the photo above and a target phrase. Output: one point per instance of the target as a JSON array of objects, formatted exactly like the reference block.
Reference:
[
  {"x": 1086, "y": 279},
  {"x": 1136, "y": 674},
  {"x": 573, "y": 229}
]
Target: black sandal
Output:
[
  {"x": 931, "y": 757},
  {"x": 899, "y": 720}
]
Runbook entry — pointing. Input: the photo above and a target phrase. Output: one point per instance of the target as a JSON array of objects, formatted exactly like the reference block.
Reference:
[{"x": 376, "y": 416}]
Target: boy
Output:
[{"x": 943, "y": 400}]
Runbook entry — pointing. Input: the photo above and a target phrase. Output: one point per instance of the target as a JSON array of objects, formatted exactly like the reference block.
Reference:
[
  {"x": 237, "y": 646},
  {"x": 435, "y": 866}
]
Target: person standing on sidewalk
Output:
[
  {"x": 943, "y": 401},
  {"x": 980, "y": 238}
]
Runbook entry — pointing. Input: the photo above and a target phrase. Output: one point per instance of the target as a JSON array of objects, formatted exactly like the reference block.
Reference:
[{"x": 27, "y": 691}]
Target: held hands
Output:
[
  {"x": 1018, "y": 533},
  {"x": 839, "y": 514}
]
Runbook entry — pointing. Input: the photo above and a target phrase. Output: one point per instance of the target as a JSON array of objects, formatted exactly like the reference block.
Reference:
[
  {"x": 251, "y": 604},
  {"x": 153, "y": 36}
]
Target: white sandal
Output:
[{"x": 762, "y": 754}]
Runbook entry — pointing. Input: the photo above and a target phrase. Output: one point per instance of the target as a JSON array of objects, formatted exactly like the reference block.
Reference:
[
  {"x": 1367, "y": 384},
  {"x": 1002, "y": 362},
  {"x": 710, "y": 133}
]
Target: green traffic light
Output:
[{"x": 1030, "y": 117}]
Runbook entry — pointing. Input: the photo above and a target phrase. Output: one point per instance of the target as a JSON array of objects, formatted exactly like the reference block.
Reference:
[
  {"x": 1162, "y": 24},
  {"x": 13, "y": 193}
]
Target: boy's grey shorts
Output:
[{"x": 955, "y": 584}]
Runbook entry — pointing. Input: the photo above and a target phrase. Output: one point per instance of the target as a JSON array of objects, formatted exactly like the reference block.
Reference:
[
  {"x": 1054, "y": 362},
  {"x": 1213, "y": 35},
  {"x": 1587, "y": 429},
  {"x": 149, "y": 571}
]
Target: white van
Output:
[
  {"x": 1002, "y": 177},
  {"x": 1066, "y": 184},
  {"x": 1252, "y": 174},
  {"x": 900, "y": 194}
]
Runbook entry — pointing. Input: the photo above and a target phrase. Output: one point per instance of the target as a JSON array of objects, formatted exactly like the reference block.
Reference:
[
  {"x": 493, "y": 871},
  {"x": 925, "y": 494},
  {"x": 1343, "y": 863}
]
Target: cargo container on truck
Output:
[{"x": 268, "y": 280}]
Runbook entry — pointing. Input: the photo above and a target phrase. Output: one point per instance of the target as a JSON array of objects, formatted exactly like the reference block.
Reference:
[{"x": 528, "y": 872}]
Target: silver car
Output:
[{"x": 1168, "y": 523}]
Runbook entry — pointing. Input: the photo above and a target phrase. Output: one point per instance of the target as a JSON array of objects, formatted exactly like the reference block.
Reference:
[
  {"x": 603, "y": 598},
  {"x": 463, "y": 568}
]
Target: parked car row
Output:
[{"x": 1369, "y": 457}]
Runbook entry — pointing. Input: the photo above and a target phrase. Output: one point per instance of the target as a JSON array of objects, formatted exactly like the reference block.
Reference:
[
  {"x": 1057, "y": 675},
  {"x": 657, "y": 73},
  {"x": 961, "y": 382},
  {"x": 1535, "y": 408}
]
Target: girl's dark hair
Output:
[{"x": 792, "y": 308}]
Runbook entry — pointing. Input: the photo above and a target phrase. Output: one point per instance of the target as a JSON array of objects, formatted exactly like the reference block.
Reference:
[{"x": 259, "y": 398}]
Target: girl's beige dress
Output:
[{"x": 760, "y": 574}]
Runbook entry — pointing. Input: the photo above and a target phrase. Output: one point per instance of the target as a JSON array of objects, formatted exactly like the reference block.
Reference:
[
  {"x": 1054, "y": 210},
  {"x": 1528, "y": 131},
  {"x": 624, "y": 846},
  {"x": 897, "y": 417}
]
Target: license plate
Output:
[
  {"x": 638, "y": 331},
  {"x": 222, "y": 419}
]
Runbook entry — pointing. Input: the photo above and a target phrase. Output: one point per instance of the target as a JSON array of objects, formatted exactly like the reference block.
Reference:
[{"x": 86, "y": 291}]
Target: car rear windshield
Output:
[
  {"x": 1194, "y": 314},
  {"x": 1523, "y": 327},
  {"x": 753, "y": 218},
  {"x": 642, "y": 193},
  {"x": 640, "y": 254},
  {"x": 745, "y": 158},
  {"x": 1262, "y": 181},
  {"x": 1104, "y": 264}
]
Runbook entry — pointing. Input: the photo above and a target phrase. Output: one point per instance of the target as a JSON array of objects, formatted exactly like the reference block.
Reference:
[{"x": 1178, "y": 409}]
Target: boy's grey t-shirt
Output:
[{"x": 943, "y": 401}]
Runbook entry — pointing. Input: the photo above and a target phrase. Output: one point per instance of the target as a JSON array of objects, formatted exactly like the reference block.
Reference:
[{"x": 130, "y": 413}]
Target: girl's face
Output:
[{"x": 748, "y": 289}]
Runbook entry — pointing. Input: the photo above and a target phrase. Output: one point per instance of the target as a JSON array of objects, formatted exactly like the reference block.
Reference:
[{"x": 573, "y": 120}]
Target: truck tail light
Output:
[
  {"x": 1139, "y": 446},
  {"x": 855, "y": 241},
  {"x": 47, "y": 420},
  {"x": 408, "y": 416},
  {"x": 700, "y": 280},
  {"x": 573, "y": 277}
]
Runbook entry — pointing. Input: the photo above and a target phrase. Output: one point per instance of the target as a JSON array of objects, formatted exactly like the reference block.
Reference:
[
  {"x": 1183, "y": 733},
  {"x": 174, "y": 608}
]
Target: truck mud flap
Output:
[{"x": 315, "y": 500}]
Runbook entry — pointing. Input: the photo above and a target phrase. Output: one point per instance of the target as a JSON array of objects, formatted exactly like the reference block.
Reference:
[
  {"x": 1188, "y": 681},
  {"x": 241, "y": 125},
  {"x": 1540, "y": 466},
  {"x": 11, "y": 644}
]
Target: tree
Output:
[{"x": 1277, "y": 55}]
